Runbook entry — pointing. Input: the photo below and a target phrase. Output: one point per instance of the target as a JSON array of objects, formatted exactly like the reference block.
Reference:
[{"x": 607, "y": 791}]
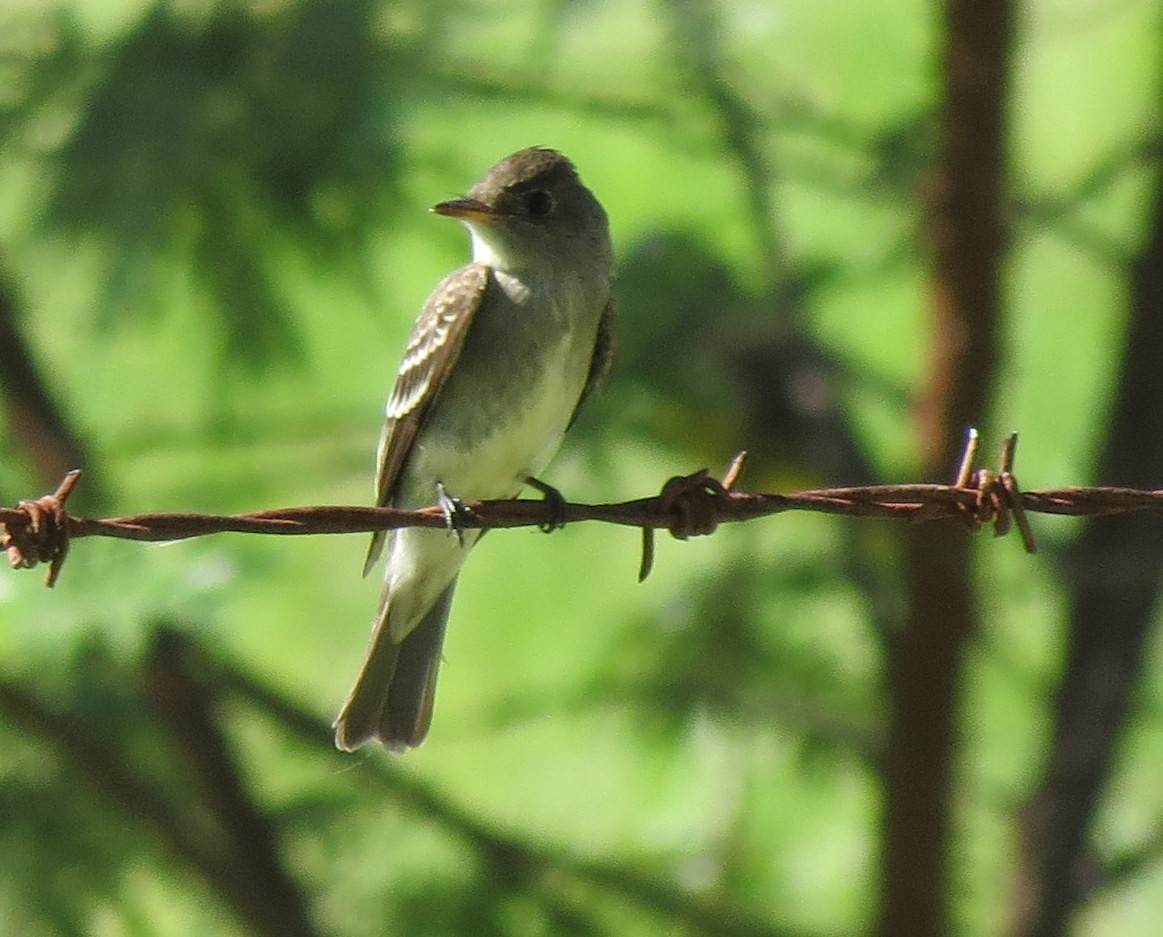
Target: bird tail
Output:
[{"x": 393, "y": 694}]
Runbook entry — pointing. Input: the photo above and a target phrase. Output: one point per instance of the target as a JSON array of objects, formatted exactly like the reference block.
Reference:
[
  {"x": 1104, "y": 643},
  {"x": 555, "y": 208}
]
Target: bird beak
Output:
[{"x": 466, "y": 209}]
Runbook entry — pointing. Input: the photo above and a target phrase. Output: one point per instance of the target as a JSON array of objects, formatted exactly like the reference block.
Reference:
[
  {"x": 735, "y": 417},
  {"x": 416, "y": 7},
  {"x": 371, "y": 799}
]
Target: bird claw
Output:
[
  {"x": 455, "y": 511},
  {"x": 555, "y": 505}
]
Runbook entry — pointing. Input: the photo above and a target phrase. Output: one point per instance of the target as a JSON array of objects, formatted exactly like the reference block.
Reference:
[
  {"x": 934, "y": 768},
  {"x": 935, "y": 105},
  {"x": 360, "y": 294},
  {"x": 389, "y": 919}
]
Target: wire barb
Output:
[
  {"x": 696, "y": 501},
  {"x": 968, "y": 457},
  {"x": 999, "y": 499},
  {"x": 41, "y": 535}
]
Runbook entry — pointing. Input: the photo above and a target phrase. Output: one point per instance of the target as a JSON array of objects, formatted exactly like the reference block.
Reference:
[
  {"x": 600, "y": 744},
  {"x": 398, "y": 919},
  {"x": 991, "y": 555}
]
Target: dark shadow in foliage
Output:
[
  {"x": 63, "y": 855},
  {"x": 732, "y": 368},
  {"x": 148, "y": 747},
  {"x": 1114, "y": 575},
  {"x": 155, "y": 760}
]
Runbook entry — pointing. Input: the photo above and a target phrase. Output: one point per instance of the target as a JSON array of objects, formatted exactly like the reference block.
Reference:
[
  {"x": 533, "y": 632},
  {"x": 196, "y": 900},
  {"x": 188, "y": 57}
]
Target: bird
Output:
[{"x": 504, "y": 354}]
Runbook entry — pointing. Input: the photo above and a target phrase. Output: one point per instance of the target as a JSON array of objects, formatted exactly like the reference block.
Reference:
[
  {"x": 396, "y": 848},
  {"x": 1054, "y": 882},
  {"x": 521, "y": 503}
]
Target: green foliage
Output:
[{"x": 208, "y": 142}]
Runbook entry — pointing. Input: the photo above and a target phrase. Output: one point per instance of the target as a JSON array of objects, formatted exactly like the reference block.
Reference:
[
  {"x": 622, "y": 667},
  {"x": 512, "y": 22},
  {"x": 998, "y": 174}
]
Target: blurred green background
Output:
[{"x": 213, "y": 242}]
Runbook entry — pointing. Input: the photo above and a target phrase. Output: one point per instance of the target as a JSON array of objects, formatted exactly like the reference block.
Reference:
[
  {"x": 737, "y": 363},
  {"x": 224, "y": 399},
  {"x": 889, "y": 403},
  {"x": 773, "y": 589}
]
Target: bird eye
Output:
[{"x": 538, "y": 203}]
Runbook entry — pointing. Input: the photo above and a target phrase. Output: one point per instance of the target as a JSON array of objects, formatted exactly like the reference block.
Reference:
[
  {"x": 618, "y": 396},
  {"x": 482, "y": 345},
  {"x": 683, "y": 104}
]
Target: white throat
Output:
[{"x": 488, "y": 252}]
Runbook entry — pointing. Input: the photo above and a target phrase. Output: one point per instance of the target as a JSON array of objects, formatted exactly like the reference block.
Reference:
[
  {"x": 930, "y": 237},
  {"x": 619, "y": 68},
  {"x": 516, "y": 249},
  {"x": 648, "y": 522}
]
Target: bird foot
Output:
[
  {"x": 455, "y": 511},
  {"x": 555, "y": 504}
]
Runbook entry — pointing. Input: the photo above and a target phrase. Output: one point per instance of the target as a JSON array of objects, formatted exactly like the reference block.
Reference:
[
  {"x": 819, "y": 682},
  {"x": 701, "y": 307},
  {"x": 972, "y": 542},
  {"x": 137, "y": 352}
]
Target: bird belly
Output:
[
  {"x": 477, "y": 452},
  {"x": 483, "y": 443}
]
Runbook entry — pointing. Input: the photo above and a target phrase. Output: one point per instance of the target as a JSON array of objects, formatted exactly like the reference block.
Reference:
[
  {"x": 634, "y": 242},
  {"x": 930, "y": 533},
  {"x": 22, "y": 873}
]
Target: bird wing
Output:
[
  {"x": 435, "y": 344},
  {"x": 602, "y": 363}
]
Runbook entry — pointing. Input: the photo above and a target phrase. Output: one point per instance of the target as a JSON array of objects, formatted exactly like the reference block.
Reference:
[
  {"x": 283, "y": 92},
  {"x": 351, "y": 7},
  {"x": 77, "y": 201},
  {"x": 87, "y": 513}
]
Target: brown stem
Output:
[
  {"x": 35, "y": 423},
  {"x": 926, "y": 655},
  {"x": 248, "y": 870}
]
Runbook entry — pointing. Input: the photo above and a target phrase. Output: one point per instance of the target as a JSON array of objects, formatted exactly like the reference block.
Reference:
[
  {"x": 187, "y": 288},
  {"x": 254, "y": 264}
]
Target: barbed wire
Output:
[{"x": 40, "y": 531}]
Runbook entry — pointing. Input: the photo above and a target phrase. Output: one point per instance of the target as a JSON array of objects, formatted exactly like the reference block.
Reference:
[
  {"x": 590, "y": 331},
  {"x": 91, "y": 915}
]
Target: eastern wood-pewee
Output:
[{"x": 501, "y": 359}]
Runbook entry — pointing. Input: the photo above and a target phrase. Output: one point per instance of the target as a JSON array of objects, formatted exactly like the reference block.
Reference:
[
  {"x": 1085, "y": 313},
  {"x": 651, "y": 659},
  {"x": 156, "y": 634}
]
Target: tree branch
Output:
[{"x": 967, "y": 238}]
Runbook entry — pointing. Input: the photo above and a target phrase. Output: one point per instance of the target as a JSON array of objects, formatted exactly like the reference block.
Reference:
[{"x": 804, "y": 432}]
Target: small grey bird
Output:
[{"x": 500, "y": 361}]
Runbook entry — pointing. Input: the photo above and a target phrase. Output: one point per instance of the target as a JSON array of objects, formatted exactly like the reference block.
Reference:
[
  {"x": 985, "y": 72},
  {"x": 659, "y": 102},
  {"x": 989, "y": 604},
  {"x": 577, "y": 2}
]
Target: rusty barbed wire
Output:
[{"x": 40, "y": 531}]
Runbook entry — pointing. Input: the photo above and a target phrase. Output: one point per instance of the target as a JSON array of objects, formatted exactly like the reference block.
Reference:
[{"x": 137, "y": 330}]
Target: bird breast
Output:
[{"x": 504, "y": 409}]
